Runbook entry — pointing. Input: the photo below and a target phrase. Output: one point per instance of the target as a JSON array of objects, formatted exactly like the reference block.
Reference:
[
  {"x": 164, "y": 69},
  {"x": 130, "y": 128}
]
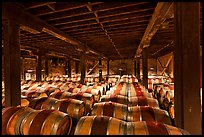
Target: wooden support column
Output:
[
  {"x": 100, "y": 70},
  {"x": 83, "y": 67},
  {"x": 46, "y": 67},
  {"x": 76, "y": 67},
  {"x": 135, "y": 67},
  {"x": 68, "y": 68},
  {"x": 12, "y": 64},
  {"x": 186, "y": 67},
  {"x": 156, "y": 66},
  {"x": 145, "y": 68},
  {"x": 22, "y": 68},
  {"x": 39, "y": 68},
  {"x": 138, "y": 69},
  {"x": 108, "y": 69}
]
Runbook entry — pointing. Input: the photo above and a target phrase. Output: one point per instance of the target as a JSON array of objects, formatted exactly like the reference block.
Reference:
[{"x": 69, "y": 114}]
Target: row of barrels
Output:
[
  {"x": 105, "y": 125},
  {"x": 88, "y": 79},
  {"x": 123, "y": 115}
]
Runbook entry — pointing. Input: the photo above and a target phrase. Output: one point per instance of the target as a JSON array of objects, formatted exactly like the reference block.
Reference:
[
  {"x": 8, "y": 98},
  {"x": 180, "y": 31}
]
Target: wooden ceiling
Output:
[{"x": 113, "y": 30}]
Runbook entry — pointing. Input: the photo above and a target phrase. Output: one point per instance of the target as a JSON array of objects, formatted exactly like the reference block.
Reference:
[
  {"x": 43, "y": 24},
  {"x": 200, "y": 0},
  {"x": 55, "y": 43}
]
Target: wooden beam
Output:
[
  {"x": 12, "y": 64},
  {"x": 188, "y": 109},
  {"x": 168, "y": 62},
  {"x": 51, "y": 6},
  {"x": 38, "y": 68},
  {"x": 145, "y": 68},
  {"x": 159, "y": 16},
  {"x": 12, "y": 11},
  {"x": 83, "y": 67},
  {"x": 100, "y": 69},
  {"x": 93, "y": 68},
  {"x": 37, "y": 4},
  {"x": 89, "y": 6}
]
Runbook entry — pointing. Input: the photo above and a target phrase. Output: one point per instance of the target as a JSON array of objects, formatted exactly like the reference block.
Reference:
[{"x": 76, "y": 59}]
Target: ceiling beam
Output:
[
  {"x": 12, "y": 11},
  {"x": 37, "y": 4},
  {"x": 161, "y": 13},
  {"x": 89, "y": 6}
]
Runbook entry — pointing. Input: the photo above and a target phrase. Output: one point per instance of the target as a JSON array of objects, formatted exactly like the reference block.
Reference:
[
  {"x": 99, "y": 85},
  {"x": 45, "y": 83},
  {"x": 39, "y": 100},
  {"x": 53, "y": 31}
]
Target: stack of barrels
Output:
[
  {"x": 68, "y": 108},
  {"x": 129, "y": 110}
]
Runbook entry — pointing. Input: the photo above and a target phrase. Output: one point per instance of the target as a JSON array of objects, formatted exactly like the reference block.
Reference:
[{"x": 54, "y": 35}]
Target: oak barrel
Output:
[
  {"x": 60, "y": 95},
  {"x": 73, "y": 107},
  {"x": 146, "y": 113},
  {"x": 153, "y": 128},
  {"x": 114, "y": 98},
  {"x": 143, "y": 101},
  {"x": 100, "y": 125},
  {"x": 110, "y": 109},
  {"x": 87, "y": 98},
  {"x": 13, "y": 125},
  {"x": 46, "y": 122}
]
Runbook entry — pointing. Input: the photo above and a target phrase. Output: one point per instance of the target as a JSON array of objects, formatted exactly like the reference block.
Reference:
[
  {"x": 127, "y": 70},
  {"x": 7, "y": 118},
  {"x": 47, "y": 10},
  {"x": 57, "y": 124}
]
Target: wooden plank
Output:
[
  {"x": 159, "y": 16},
  {"x": 187, "y": 67},
  {"x": 12, "y": 64}
]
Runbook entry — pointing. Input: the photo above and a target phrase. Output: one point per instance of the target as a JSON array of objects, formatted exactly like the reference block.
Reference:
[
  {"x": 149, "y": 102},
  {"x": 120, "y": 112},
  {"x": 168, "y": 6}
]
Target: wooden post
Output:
[
  {"x": 138, "y": 69},
  {"x": 69, "y": 69},
  {"x": 39, "y": 68},
  {"x": 186, "y": 66},
  {"x": 100, "y": 70},
  {"x": 156, "y": 66},
  {"x": 135, "y": 67},
  {"x": 83, "y": 67},
  {"x": 46, "y": 67},
  {"x": 145, "y": 68},
  {"x": 108, "y": 67},
  {"x": 12, "y": 64},
  {"x": 22, "y": 68},
  {"x": 76, "y": 67}
]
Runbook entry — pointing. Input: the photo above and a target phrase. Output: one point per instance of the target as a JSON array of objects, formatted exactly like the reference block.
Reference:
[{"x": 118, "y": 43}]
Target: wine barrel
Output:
[
  {"x": 60, "y": 95},
  {"x": 46, "y": 122},
  {"x": 24, "y": 101},
  {"x": 100, "y": 125},
  {"x": 95, "y": 92},
  {"x": 114, "y": 98},
  {"x": 110, "y": 109},
  {"x": 36, "y": 102},
  {"x": 35, "y": 94},
  {"x": 13, "y": 125},
  {"x": 49, "y": 90},
  {"x": 48, "y": 103},
  {"x": 73, "y": 107},
  {"x": 42, "y": 103},
  {"x": 143, "y": 101},
  {"x": 73, "y": 90},
  {"x": 153, "y": 128},
  {"x": 146, "y": 113},
  {"x": 87, "y": 98},
  {"x": 6, "y": 114}
]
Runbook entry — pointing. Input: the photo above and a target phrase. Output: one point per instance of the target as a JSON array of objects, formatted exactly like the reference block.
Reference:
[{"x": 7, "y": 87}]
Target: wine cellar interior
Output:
[{"x": 102, "y": 68}]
